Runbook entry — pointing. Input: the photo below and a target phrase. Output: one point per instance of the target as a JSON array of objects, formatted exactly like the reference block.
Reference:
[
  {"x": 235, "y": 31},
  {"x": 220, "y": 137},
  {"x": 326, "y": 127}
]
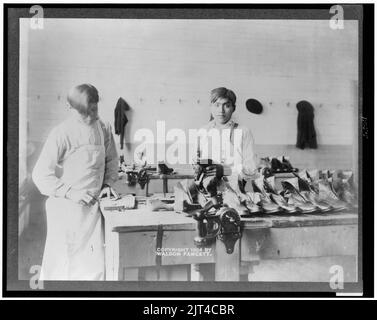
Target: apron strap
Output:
[
  {"x": 234, "y": 126},
  {"x": 102, "y": 142}
]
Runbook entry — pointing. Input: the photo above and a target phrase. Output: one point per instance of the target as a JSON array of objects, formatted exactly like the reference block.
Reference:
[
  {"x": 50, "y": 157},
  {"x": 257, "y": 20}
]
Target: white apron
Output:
[{"x": 74, "y": 247}]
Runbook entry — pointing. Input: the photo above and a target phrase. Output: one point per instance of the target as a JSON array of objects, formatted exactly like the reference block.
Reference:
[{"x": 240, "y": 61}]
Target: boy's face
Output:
[{"x": 222, "y": 110}]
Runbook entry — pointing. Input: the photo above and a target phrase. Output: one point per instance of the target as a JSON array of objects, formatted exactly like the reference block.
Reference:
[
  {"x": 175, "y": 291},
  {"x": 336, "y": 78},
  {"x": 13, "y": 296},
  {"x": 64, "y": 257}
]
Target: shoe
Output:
[
  {"x": 251, "y": 203},
  {"x": 287, "y": 165},
  {"x": 265, "y": 167},
  {"x": 327, "y": 194},
  {"x": 324, "y": 174},
  {"x": 276, "y": 166},
  {"x": 304, "y": 175},
  {"x": 277, "y": 198},
  {"x": 311, "y": 196},
  {"x": 266, "y": 203},
  {"x": 164, "y": 169},
  {"x": 291, "y": 191},
  {"x": 343, "y": 185},
  {"x": 348, "y": 196},
  {"x": 313, "y": 174},
  {"x": 230, "y": 199},
  {"x": 252, "y": 207}
]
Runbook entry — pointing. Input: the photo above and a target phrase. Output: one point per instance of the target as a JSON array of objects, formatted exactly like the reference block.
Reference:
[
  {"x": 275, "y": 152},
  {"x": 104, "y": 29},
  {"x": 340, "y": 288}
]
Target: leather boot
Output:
[
  {"x": 164, "y": 169},
  {"x": 284, "y": 167},
  {"x": 304, "y": 175},
  {"x": 291, "y": 188},
  {"x": 265, "y": 167},
  {"x": 276, "y": 166},
  {"x": 183, "y": 197},
  {"x": 313, "y": 174},
  {"x": 314, "y": 179},
  {"x": 343, "y": 185},
  {"x": 230, "y": 199},
  {"x": 277, "y": 198},
  {"x": 327, "y": 194},
  {"x": 253, "y": 207},
  {"x": 267, "y": 204},
  {"x": 288, "y": 165},
  {"x": 312, "y": 196}
]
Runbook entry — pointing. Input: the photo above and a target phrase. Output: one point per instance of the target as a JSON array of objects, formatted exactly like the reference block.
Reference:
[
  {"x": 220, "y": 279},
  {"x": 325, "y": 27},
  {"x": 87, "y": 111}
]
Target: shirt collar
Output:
[{"x": 229, "y": 124}]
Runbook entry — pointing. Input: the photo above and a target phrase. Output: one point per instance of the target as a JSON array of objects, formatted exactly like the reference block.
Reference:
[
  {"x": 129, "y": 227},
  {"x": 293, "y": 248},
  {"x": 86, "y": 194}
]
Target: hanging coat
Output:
[
  {"x": 74, "y": 248},
  {"x": 306, "y": 135},
  {"x": 120, "y": 119}
]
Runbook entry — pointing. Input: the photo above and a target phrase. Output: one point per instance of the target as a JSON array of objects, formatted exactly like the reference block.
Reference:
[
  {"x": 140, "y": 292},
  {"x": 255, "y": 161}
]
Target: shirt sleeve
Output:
[
  {"x": 111, "y": 167},
  {"x": 44, "y": 172},
  {"x": 249, "y": 159}
]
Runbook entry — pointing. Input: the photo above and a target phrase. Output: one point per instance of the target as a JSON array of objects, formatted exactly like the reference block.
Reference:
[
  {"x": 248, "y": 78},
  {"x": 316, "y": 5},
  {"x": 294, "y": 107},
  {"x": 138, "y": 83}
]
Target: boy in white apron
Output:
[{"x": 84, "y": 147}]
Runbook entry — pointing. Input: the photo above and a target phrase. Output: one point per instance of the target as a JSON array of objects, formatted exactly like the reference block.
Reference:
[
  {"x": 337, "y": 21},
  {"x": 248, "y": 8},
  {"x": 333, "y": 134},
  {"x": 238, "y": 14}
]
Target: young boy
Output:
[{"x": 84, "y": 147}]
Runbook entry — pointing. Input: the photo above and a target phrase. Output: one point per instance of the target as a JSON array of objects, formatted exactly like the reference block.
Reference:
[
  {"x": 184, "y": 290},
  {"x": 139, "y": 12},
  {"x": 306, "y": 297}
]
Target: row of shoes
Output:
[
  {"x": 308, "y": 192},
  {"x": 279, "y": 164}
]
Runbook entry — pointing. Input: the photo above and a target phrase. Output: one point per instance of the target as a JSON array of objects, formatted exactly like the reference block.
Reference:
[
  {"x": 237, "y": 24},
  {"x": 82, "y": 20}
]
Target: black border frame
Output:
[{"x": 185, "y": 11}]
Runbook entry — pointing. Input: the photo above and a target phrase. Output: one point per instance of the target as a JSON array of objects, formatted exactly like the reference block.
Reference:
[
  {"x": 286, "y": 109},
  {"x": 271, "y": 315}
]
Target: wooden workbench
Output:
[{"x": 272, "y": 248}]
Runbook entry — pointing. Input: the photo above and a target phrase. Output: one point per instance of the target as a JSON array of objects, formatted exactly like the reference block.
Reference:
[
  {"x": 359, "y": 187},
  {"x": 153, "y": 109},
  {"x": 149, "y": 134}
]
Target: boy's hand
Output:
[{"x": 80, "y": 196}]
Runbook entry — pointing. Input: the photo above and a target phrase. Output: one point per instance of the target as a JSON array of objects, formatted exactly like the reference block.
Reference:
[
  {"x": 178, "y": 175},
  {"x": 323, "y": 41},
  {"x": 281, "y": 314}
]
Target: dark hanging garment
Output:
[
  {"x": 306, "y": 135},
  {"x": 120, "y": 119}
]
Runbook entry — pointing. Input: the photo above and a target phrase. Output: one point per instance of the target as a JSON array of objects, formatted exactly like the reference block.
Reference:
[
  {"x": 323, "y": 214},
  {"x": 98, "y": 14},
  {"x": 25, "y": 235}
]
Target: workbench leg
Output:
[
  {"x": 165, "y": 186},
  {"x": 227, "y": 266},
  {"x": 244, "y": 271},
  {"x": 203, "y": 272},
  {"x": 146, "y": 188}
]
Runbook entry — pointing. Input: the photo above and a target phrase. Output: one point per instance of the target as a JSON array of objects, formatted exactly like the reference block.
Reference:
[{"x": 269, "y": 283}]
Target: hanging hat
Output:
[{"x": 254, "y": 106}]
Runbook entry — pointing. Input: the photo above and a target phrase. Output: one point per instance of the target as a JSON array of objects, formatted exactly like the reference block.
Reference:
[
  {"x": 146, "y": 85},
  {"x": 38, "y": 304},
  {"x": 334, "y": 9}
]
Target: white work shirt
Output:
[
  {"x": 63, "y": 140},
  {"x": 241, "y": 158}
]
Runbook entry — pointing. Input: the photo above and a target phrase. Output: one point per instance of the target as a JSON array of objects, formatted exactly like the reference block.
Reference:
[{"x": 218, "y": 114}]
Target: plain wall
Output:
[{"x": 165, "y": 70}]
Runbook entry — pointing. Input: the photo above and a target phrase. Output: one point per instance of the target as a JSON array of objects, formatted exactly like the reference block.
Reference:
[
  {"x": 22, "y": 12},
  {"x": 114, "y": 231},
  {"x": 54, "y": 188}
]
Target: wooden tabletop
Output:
[
  {"x": 171, "y": 176},
  {"x": 303, "y": 220},
  {"x": 143, "y": 218},
  {"x": 148, "y": 220}
]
